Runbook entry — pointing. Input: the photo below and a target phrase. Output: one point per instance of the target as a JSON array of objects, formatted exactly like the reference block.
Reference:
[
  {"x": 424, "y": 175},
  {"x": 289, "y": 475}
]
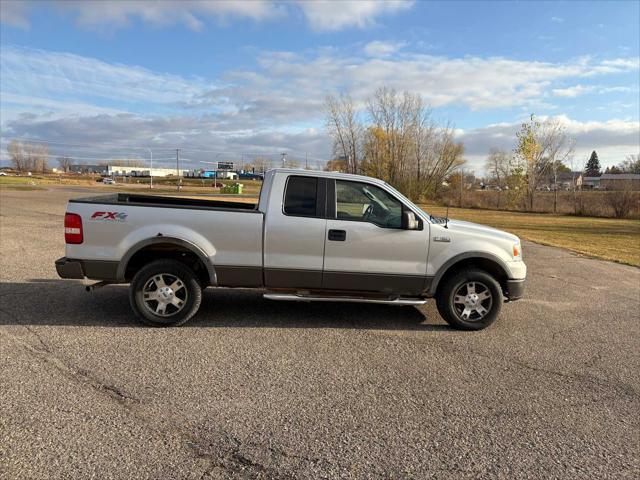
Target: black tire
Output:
[
  {"x": 453, "y": 313},
  {"x": 188, "y": 291}
]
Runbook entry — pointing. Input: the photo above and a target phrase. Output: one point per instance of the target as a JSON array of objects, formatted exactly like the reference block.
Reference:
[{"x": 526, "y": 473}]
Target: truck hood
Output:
[{"x": 470, "y": 227}]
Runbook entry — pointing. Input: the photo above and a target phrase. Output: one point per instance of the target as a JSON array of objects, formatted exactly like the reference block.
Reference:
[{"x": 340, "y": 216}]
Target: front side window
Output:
[
  {"x": 301, "y": 196},
  {"x": 363, "y": 202}
]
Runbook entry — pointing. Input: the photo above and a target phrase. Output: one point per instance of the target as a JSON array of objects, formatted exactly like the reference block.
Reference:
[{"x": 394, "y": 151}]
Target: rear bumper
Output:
[
  {"x": 67, "y": 268},
  {"x": 93, "y": 269},
  {"x": 515, "y": 289}
]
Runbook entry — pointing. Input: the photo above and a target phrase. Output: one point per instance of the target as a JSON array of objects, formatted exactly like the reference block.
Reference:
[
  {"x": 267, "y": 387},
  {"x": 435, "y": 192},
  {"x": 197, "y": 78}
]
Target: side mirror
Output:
[{"x": 409, "y": 221}]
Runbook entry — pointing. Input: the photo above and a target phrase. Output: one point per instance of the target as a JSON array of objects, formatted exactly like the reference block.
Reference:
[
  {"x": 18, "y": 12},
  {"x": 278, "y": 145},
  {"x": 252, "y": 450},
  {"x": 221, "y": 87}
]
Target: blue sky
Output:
[{"x": 238, "y": 77}]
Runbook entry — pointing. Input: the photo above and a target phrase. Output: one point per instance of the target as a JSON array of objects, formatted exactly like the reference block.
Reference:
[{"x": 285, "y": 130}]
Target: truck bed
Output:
[{"x": 137, "y": 200}]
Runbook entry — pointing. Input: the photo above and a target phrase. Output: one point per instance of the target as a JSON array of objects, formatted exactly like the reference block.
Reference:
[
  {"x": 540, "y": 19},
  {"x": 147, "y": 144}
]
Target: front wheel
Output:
[
  {"x": 470, "y": 300},
  {"x": 165, "y": 293}
]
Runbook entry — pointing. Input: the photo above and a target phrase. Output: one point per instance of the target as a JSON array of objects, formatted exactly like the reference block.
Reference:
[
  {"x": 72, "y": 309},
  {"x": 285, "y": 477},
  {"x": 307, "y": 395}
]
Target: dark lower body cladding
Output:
[
  {"x": 94, "y": 269},
  {"x": 515, "y": 289}
]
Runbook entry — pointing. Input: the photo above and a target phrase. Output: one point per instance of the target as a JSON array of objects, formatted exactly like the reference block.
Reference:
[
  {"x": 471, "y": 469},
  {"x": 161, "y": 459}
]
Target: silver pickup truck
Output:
[{"x": 313, "y": 236}]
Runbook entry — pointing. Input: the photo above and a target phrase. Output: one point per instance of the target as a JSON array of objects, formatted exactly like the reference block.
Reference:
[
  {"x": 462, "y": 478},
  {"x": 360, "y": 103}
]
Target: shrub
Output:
[{"x": 622, "y": 202}]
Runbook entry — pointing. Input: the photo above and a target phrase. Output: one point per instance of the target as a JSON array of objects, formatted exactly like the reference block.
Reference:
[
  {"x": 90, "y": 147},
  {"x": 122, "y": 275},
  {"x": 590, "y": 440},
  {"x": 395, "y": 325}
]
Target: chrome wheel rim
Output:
[
  {"x": 164, "y": 294},
  {"x": 472, "y": 301}
]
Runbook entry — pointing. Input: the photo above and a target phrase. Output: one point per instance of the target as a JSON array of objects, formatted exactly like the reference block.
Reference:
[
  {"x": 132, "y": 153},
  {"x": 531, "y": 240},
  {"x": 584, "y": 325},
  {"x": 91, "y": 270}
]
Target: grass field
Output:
[
  {"x": 609, "y": 239},
  {"x": 161, "y": 185}
]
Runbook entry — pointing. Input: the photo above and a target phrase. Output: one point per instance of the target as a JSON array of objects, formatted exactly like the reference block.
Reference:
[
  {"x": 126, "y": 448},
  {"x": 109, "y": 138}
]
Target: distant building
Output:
[
  {"x": 589, "y": 182},
  {"x": 121, "y": 171},
  {"x": 90, "y": 169},
  {"x": 620, "y": 181},
  {"x": 562, "y": 181}
]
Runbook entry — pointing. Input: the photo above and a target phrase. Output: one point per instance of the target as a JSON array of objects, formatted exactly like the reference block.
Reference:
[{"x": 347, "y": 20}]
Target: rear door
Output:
[
  {"x": 295, "y": 230},
  {"x": 366, "y": 248}
]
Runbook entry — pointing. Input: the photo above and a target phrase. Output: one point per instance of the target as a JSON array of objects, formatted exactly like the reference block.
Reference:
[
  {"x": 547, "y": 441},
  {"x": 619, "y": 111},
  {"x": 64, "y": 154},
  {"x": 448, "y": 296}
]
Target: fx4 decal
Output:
[{"x": 109, "y": 216}]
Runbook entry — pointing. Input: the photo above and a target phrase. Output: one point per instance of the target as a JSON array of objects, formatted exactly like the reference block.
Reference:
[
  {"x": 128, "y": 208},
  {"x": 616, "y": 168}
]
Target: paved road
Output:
[{"x": 253, "y": 389}]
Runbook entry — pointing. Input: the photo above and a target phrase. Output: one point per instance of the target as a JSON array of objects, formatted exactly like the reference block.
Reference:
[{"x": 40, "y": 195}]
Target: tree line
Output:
[
  {"x": 32, "y": 157},
  {"x": 396, "y": 139}
]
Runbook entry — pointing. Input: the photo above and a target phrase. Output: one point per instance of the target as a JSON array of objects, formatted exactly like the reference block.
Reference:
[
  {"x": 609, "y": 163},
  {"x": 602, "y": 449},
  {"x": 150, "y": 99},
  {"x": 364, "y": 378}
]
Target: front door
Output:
[{"x": 366, "y": 248}]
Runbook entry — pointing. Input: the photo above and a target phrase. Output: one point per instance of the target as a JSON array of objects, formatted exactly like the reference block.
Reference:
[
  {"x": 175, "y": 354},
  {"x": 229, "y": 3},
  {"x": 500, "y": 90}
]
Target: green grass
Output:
[
  {"x": 606, "y": 238},
  {"x": 7, "y": 180},
  {"x": 19, "y": 183}
]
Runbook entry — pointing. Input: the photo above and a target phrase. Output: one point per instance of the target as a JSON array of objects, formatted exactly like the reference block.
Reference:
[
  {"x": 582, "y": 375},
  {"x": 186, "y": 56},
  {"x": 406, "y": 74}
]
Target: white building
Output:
[{"x": 121, "y": 171}]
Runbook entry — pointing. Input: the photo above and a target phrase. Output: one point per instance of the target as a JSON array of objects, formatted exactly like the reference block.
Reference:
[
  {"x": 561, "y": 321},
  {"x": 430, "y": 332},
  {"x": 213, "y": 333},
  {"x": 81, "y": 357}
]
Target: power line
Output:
[
  {"x": 156, "y": 148},
  {"x": 89, "y": 145}
]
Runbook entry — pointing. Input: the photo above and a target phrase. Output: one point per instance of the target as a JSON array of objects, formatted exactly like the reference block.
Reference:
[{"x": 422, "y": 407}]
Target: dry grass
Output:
[
  {"x": 606, "y": 238},
  {"x": 609, "y": 239},
  {"x": 161, "y": 185}
]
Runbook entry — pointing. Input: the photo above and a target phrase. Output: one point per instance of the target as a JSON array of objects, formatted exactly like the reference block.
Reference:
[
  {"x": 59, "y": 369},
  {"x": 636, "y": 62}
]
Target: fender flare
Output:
[
  {"x": 122, "y": 266},
  {"x": 446, "y": 266}
]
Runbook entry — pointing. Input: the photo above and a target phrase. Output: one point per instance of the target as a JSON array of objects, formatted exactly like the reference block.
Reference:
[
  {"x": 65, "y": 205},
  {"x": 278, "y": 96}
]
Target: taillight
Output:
[{"x": 73, "y": 228}]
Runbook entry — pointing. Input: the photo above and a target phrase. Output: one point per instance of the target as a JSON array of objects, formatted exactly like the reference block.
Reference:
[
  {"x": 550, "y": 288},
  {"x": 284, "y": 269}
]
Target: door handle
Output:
[{"x": 337, "y": 235}]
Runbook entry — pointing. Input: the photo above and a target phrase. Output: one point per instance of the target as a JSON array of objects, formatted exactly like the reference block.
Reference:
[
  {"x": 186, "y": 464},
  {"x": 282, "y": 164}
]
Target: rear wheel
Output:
[
  {"x": 470, "y": 300},
  {"x": 165, "y": 293}
]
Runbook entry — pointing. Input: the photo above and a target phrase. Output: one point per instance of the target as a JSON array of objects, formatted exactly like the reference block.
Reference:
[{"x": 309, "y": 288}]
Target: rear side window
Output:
[{"x": 301, "y": 196}]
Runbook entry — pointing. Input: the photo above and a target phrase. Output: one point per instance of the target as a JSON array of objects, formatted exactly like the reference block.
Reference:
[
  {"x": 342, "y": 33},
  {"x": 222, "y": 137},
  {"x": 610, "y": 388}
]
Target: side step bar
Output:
[{"x": 308, "y": 298}]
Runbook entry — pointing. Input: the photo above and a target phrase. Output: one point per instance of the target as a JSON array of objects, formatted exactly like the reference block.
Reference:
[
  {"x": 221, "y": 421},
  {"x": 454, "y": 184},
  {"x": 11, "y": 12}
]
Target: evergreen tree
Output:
[{"x": 593, "y": 166}]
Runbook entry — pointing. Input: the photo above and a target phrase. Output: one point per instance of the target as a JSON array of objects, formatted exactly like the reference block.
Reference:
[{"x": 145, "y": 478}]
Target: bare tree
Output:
[
  {"x": 400, "y": 144},
  {"x": 260, "y": 164},
  {"x": 126, "y": 162},
  {"x": 622, "y": 201},
  {"x": 16, "y": 152},
  {"x": 631, "y": 164},
  {"x": 65, "y": 163},
  {"x": 498, "y": 166},
  {"x": 343, "y": 125},
  {"x": 293, "y": 163},
  {"x": 39, "y": 155},
  {"x": 559, "y": 148},
  {"x": 29, "y": 157}
]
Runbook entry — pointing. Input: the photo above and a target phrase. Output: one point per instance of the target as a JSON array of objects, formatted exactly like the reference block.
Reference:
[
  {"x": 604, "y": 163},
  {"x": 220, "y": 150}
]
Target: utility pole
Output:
[
  {"x": 284, "y": 159},
  {"x": 150, "y": 171},
  {"x": 461, "y": 184},
  {"x": 306, "y": 160},
  {"x": 178, "y": 168}
]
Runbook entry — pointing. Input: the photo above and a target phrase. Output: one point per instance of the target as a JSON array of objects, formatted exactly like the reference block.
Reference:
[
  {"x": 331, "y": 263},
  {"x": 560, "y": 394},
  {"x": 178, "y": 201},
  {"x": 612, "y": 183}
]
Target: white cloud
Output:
[
  {"x": 15, "y": 13},
  {"x": 557, "y": 19},
  {"x": 273, "y": 107},
  {"x": 192, "y": 13},
  {"x": 379, "y": 48},
  {"x": 322, "y": 15},
  {"x": 474, "y": 82},
  {"x": 332, "y": 15},
  {"x": 125, "y": 135},
  {"x": 68, "y": 77},
  {"x": 613, "y": 139},
  {"x": 574, "y": 91},
  {"x": 577, "y": 90}
]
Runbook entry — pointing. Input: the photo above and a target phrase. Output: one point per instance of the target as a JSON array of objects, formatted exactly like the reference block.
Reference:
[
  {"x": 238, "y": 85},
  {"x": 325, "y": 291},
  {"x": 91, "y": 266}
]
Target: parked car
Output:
[
  {"x": 313, "y": 236},
  {"x": 108, "y": 181}
]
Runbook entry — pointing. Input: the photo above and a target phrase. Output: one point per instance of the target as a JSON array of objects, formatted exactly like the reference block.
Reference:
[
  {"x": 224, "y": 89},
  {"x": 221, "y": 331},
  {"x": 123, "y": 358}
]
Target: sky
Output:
[{"x": 230, "y": 79}]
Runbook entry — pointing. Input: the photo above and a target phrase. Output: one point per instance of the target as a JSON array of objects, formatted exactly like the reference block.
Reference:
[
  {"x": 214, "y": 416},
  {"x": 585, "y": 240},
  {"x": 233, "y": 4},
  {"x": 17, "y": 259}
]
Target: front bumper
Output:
[
  {"x": 68, "y": 268},
  {"x": 515, "y": 289}
]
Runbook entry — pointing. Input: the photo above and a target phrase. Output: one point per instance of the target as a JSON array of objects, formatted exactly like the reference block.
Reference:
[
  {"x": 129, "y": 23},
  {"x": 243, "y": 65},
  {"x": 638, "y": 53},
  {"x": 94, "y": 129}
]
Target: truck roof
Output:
[{"x": 321, "y": 173}]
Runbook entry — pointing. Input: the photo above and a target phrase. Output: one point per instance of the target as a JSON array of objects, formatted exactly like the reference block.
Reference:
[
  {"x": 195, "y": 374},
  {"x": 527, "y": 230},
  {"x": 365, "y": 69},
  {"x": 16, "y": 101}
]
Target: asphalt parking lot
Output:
[{"x": 257, "y": 389}]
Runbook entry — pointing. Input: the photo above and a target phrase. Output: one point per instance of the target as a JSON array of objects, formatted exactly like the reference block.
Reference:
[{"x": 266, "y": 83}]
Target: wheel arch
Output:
[
  {"x": 166, "y": 247},
  {"x": 488, "y": 262}
]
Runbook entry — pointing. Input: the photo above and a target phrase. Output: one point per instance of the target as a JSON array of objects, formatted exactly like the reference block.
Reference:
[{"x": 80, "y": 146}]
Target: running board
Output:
[{"x": 308, "y": 298}]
